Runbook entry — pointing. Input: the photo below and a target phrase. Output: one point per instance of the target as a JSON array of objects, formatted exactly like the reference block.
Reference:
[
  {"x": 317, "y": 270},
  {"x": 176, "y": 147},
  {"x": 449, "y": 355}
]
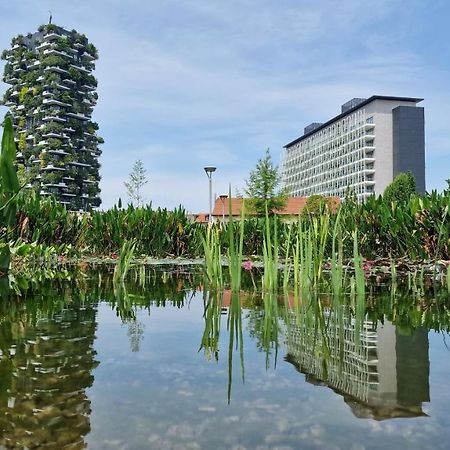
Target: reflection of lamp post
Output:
[
  {"x": 222, "y": 198},
  {"x": 209, "y": 170}
]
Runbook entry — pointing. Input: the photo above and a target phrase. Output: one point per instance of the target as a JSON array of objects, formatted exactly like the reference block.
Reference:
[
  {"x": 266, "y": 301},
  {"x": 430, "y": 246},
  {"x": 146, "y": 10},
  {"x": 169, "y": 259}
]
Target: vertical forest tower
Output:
[{"x": 51, "y": 100}]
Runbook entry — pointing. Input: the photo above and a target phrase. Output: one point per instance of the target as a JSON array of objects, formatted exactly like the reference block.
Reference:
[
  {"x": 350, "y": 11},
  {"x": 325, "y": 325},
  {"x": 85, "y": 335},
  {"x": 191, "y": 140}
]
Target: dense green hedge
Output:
[{"x": 418, "y": 229}]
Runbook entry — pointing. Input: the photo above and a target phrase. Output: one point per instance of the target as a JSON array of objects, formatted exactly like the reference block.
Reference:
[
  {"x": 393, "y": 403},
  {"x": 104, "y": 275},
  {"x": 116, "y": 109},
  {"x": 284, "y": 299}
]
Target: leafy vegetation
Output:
[{"x": 401, "y": 189}]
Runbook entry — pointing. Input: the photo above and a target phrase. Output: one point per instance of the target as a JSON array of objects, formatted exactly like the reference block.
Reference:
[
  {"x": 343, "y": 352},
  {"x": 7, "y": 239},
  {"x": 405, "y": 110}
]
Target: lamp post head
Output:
[{"x": 209, "y": 170}]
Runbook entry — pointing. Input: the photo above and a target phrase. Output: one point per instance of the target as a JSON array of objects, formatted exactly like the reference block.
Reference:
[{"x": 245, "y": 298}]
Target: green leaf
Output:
[
  {"x": 5, "y": 258},
  {"x": 8, "y": 174},
  {"x": 8, "y": 144}
]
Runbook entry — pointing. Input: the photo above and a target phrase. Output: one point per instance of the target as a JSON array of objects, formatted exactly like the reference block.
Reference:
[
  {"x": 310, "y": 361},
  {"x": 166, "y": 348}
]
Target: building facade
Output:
[
  {"x": 380, "y": 372},
  {"x": 51, "y": 100},
  {"x": 361, "y": 150}
]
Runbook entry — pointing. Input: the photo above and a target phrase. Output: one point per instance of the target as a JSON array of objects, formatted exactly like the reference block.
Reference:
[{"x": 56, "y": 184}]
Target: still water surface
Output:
[{"x": 87, "y": 372}]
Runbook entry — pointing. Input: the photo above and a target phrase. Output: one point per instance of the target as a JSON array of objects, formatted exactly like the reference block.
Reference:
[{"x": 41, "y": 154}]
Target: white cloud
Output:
[{"x": 185, "y": 84}]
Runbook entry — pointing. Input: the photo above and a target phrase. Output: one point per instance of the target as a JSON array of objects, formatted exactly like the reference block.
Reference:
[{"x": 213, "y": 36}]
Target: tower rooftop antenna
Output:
[{"x": 50, "y": 18}]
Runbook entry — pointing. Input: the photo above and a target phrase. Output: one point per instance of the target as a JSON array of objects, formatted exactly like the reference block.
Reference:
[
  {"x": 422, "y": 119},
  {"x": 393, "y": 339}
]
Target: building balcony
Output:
[
  {"x": 56, "y": 69},
  {"x": 64, "y": 88},
  {"x": 52, "y": 101},
  {"x": 52, "y": 36},
  {"x": 78, "y": 164},
  {"x": 55, "y": 135},
  {"x": 55, "y": 185},
  {"x": 78, "y": 116},
  {"x": 51, "y": 167},
  {"x": 43, "y": 45},
  {"x": 82, "y": 69},
  {"x": 55, "y": 118},
  {"x": 69, "y": 81},
  {"x": 35, "y": 65},
  {"x": 88, "y": 56},
  {"x": 53, "y": 51}
]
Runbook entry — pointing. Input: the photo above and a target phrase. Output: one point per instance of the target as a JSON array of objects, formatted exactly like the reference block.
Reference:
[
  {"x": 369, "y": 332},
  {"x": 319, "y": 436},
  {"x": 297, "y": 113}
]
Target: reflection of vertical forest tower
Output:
[
  {"x": 45, "y": 370},
  {"x": 51, "y": 99}
]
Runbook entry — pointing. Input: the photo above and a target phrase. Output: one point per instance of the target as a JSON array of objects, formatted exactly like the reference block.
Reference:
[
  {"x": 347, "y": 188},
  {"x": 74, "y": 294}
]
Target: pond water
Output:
[{"x": 82, "y": 367}]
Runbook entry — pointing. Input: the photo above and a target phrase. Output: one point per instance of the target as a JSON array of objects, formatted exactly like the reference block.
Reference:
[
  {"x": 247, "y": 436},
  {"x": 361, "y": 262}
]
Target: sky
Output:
[{"x": 185, "y": 84}]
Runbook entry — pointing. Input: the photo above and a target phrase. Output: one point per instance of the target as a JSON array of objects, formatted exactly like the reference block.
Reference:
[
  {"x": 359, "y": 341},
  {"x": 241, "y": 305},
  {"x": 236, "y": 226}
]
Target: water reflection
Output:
[
  {"x": 45, "y": 368},
  {"x": 383, "y": 376},
  {"x": 378, "y": 362}
]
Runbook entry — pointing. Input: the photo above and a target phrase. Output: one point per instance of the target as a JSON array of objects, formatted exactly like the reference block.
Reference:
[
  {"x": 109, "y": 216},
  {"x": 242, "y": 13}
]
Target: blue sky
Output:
[{"x": 184, "y": 84}]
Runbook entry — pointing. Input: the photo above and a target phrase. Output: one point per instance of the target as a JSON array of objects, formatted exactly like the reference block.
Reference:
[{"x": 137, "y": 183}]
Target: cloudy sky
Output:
[{"x": 189, "y": 83}]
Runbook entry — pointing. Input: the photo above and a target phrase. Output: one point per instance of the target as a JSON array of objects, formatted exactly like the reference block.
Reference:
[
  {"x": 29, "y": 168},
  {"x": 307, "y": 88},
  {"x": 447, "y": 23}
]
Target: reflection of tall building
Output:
[
  {"x": 384, "y": 375},
  {"x": 45, "y": 368}
]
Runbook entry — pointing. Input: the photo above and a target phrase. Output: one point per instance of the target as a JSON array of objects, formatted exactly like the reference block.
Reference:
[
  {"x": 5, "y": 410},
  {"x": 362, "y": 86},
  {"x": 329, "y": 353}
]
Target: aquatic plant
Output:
[
  {"x": 213, "y": 257},
  {"x": 124, "y": 261},
  {"x": 235, "y": 247}
]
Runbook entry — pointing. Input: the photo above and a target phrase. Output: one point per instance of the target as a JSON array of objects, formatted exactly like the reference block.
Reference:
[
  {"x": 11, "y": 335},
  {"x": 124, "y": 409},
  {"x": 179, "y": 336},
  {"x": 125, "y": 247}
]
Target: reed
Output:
[
  {"x": 270, "y": 256},
  {"x": 235, "y": 247},
  {"x": 124, "y": 262},
  {"x": 213, "y": 257}
]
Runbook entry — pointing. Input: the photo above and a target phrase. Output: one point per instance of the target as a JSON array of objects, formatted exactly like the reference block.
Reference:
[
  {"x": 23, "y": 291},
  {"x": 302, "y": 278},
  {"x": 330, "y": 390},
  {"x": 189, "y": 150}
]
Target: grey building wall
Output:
[{"x": 408, "y": 128}]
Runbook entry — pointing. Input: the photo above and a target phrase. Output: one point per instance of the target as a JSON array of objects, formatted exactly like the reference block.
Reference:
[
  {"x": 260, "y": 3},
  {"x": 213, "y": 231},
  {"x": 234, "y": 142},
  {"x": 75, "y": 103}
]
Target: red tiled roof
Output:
[
  {"x": 201, "y": 217},
  {"x": 294, "y": 206}
]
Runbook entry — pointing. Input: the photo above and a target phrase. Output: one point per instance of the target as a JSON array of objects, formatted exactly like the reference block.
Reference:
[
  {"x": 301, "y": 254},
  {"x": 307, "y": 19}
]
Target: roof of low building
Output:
[{"x": 294, "y": 205}]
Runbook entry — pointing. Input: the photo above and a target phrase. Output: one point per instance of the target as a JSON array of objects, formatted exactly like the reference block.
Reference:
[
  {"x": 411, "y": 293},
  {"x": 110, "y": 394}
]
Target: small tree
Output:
[
  {"x": 263, "y": 187},
  {"x": 137, "y": 179},
  {"x": 318, "y": 204},
  {"x": 401, "y": 189}
]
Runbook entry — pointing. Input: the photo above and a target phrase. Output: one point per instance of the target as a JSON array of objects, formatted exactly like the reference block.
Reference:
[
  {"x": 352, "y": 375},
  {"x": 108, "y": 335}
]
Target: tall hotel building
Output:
[
  {"x": 51, "y": 99},
  {"x": 361, "y": 150}
]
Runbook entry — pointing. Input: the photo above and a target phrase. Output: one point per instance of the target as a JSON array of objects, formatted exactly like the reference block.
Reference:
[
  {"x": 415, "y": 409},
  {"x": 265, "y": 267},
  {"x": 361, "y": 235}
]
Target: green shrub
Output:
[{"x": 401, "y": 189}]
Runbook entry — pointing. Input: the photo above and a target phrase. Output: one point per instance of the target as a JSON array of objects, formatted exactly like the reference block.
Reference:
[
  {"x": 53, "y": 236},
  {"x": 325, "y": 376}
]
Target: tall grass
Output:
[{"x": 235, "y": 234}]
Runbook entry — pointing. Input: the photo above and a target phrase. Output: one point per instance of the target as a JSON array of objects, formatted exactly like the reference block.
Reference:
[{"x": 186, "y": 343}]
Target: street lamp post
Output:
[{"x": 209, "y": 170}]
